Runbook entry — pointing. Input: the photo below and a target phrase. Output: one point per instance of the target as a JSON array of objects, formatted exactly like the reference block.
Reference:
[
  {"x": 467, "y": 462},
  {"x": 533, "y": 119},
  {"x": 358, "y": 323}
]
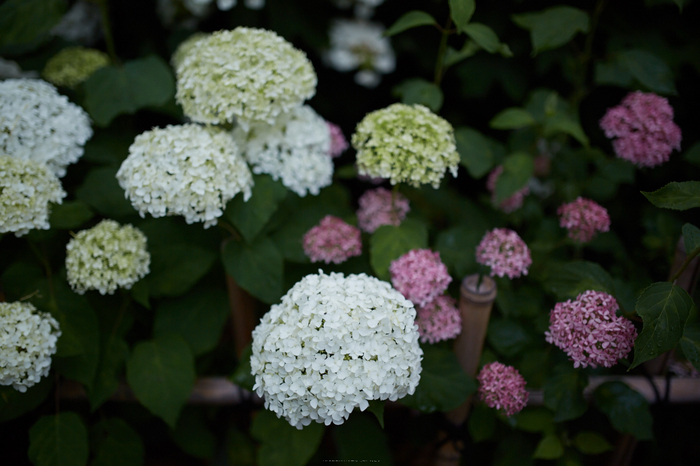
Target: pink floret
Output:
[
  {"x": 505, "y": 252},
  {"x": 589, "y": 331},
  {"x": 420, "y": 276},
  {"x": 502, "y": 387},
  {"x": 338, "y": 142},
  {"x": 583, "y": 219},
  {"x": 439, "y": 320},
  {"x": 332, "y": 240},
  {"x": 644, "y": 128},
  {"x": 514, "y": 202},
  {"x": 381, "y": 207}
]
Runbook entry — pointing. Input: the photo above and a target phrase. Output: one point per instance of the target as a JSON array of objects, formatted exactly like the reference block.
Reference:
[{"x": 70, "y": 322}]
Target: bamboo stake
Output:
[{"x": 242, "y": 314}]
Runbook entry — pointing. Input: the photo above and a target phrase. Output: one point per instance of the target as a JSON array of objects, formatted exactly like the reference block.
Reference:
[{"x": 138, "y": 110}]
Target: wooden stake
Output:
[{"x": 242, "y": 307}]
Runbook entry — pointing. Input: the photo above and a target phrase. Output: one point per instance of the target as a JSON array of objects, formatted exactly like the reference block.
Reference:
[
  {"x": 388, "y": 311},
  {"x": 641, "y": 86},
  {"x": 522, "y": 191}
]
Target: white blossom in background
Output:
[
  {"x": 363, "y": 8},
  {"x": 28, "y": 339},
  {"x": 106, "y": 257},
  {"x": 11, "y": 70},
  {"x": 26, "y": 189},
  {"x": 187, "y": 170},
  {"x": 295, "y": 149},
  {"x": 82, "y": 23},
  {"x": 335, "y": 343},
  {"x": 360, "y": 45},
  {"x": 37, "y": 123},
  {"x": 245, "y": 75}
]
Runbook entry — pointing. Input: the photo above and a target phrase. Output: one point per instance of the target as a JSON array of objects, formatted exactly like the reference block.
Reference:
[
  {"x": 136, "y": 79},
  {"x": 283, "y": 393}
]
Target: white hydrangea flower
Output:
[
  {"x": 26, "y": 189},
  {"x": 295, "y": 149},
  {"x": 406, "y": 144},
  {"x": 11, "y": 70},
  {"x": 37, "y": 123},
  {"x": 357, "y": 44},
  {"x": 335, "y": 343},
  {"x": 247, "y": 75},
  {"x": 363, "y": 8},
  {"x": 27, "y": 341},
  {"x": 106, "y": 257},
  {"x": 187, "y": 170}
]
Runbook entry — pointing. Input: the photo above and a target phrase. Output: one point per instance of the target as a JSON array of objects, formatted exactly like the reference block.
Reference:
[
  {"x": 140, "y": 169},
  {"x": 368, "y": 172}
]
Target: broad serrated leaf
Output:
[
  {"x": 453, "y": 56},
  {"x": 101, "y": 191},
  {"x": 419, "y": 91},
  {"x": 25, "y": 24},
  {"x": 410, "y": 20},
  {"x": 563, "y": 392},
  {"x": 553, "y": 27},
  {"x": 58, "y": 440},
  {"x": 475, "y": 152},
  {"x": 549, "y": 448},
  {"x": 177, "y": 267},
  {"x": 388, "y": 243},
  {"x": 114, "y": 90},
  {"x": 376, "y": 407},
  {"x": 518, "y": 168},
  {"x": 249, "y": 217},
  {"x": 676, "y": 195},
  {"x": 508, "y": 337},
  {"x": 70, "y": 215},
  {"x": 649, "y": 70},
  {"x": 487, "y": 39},
  {"x": 282, "y": 443},
  {"x": 691, "y": 238},
  {"x": 112, "y": 358},
  {"x": 457, "y": 248},
  {"x": 566, "y": 125},
  {"x": 591, "y": 443},
  {"x": 613, "y": 73},
  {"x": 161, "y": 374},
  {"x": 690, "y": 343},
  {"x": 359, "y": 439},
  {"x": 512, "y": 118},
  {"x": 664, "y": 308},
  {"x": 461, "y": 12},
  {"x": 692, "y": 155},
  {"x": 116, "y": 443},
  {"x": 627, "y": 410},
  {"x": 570, "y": 279},
  {"x": 443, "y": 384},
  {"x": 257, "y": 267}
]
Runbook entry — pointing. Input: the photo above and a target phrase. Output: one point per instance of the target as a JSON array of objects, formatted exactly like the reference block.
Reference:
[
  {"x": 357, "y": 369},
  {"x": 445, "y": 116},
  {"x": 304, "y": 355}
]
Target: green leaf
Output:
[
  {"x": 535, "y": 419},
  {"x": 553, "y": 27},
  {"x": 360, "y": 440},
  {"x": 70, "y": 215},
  {"x": 690, "y": 343},
  {"x": 58, "y": 440},
  {"x": 613, "y": 73},
  {"x": 115, "y": 443},
  {"x": 549, "y": 448},
  {"x": 14, "y": 403},
  {"x": 507, "y": 337},
  {"x": 676, "y": 195},
  {"x": 591, "y": 443},
  {"x": 461, "y": 12},
  {"x": 512, "y": 118},
  {"x": 419, "y": 91},
  {"x": 692, "y": 155},
  {"x": 570, "y": 279},
  {"x": 518, "y": 168},
  {"x": 161, "y": 374},
  {"x": 566, "y": 125},
  {"x": 282, "y": 443},
  {"x": 563, "y": 392},
  {"x": 193, "y": 435},
  {"x": 197, "y": 317},
  {"x": 487, "y": 39},
  {"x": 457, "y": 248},
  {"x": 240, "y": 448},
  {"x": 25, "y": 24},
  {"x": 691, "y": 238},
  {"x": 475, "y": 151},
  {"x": 410, "y": 20},
  {"x": 243, "y": 376},
  {"x": 481, "y": 423},
  {"x": 101, "y": 191},
  {"x": 514, "y": 450},
  {"x": 452, "y": 56},
  {"x": 388, "y": 243},
  {"x": 443, "y": 384},
  {"x": 112, "y": 90},
  {"x": 627, "y": 410},
  {"x": 112, "y": 358},
  {"x": 649, "y": 70},
  {"x": 257, "y": 267},
  {"x": 250, "y": 217},
  {"x": 664, "y": 308},
  {"x": 175, "y": 268},
  {"x": 376, "y": 407}
]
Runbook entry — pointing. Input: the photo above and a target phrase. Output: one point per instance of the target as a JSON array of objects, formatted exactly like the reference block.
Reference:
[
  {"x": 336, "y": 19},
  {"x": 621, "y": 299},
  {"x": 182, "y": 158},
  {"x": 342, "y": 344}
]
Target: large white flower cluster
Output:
[
  {"x": 27, "y": 341},
  {"x": 187, "y": 170},
  {"x": 295, "y": 149},
  {"x": 333, "y": 344},
  {"x": 106, "y": 257},
  {"x": 37, "y": 123},
  {"x": 26, "y": 189},
  {"x": 247, "y": 75}
]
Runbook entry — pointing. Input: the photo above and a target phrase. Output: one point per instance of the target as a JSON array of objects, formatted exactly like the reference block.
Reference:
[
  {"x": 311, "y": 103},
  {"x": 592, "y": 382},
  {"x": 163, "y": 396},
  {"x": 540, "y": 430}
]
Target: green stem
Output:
[
  {"x": 587, "y": 54},
  {"x": 47, "y": 269},
  {"x": 107, "y": 30},
  {"x": 231, "y": 229},
  {"x": 440, "y": 63},
  {"x": 685, "y": 265}
]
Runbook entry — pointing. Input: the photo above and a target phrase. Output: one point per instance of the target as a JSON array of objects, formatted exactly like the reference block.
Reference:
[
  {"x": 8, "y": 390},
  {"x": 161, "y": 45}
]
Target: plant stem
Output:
[
  {"x": 442, "y": 49},
  {"x": 230, "y": 228},
  {"x": 685, "y": 265},
  {"x": 107, "y": 30},
  {"x": 587, "y": 54}
]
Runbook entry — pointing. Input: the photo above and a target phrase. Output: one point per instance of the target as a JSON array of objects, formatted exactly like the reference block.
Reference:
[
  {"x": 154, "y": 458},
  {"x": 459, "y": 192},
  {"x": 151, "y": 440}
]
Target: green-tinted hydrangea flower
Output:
[
  {"x": 106, "y": 257},
  {"x": 247, "y": 75},
  {"x": 185, "y": 47},
  {"x": 405, "y": 144},
  {"x": 26, "y": 189},
  {"x": 73, "y": 65}
]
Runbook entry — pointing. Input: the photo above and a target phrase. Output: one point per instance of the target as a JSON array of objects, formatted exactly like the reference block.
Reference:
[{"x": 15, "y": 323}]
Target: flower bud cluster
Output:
[
  {"x": 73, "y": 65},
  {"x": 420, "y": 276},
  {"x": 505, "y": 252},
  {"x": 583, "y": 219},
  {"x": 514, "y": 202},
  {"x": 381, "y": 207},
  {"x": 332, "y": 240},
  {"x": 502, "y": 387}
]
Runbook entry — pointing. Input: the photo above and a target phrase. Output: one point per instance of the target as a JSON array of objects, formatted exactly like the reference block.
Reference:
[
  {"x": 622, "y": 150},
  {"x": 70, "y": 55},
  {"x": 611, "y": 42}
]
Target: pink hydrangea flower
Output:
[
  {"x": 644, "y": 128},
  {"x": 502, "y": 387},
  {"x": 381, "y": 207},
  {"x": 420, "y": 276},
  {"x": 332, "y": 240},
  {"x": 589, "y": 331},
  {"x": 511, "y": 204},
  {"x": 504, "y": 251},
  {"x": 439, "y": 320},
  {"x": 583, "y": 219},
  {"x": 338, "y": 141}
]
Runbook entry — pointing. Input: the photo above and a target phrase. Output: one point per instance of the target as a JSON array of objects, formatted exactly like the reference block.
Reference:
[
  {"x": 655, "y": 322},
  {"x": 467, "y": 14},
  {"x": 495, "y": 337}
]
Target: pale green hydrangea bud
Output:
[
  {"x": 106, "y": 257},
  {"x": 73, "y": 65},
  {"x": 405, "y": 144},
  {"x": 27, "y": 341},
  {"x": 247, "y": 75},
  {"x": 26, "y": 189}
]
